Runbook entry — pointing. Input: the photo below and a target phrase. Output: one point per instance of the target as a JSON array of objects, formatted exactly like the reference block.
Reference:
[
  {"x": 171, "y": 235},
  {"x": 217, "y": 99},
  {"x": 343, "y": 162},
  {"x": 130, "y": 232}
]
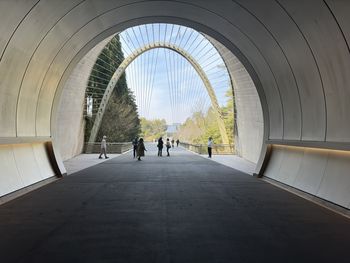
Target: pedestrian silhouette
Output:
[
  {"x": 103, "y": 147},
  {"x": 177, "y": 142},
  {"x": 134, "y": 145},
  {"x": 168, "y": 146},
  {"x": 140, "y": 149},
  {"x": 210, "y": 146},
  {"x": 160, "y": 146},
  {"x": 172, "y": 143}
]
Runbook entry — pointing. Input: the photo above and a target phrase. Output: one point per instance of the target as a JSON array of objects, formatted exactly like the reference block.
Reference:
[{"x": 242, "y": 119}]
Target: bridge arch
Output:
[{"x": 138, "y": 52}]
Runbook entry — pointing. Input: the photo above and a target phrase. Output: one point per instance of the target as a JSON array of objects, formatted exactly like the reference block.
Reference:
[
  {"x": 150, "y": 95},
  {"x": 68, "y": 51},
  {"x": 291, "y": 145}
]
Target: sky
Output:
[{"x": 165, "y": 84}]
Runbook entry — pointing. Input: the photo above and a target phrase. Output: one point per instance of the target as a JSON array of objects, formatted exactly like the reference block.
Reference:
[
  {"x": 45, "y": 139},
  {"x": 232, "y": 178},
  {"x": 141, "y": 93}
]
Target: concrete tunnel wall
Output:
[
  {"x": 249, "y": 130},
  {"x": 296, "y": 52},
  {"x": 71, "y": 106}
]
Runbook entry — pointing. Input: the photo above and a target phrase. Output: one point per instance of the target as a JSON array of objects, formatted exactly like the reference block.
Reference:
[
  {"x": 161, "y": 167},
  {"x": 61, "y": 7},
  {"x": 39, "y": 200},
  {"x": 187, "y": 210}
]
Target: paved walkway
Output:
[
  {"x": 83, "y": 161},
  {"x": 234, "y": 162},
  {"x": 182, "y": 208}
]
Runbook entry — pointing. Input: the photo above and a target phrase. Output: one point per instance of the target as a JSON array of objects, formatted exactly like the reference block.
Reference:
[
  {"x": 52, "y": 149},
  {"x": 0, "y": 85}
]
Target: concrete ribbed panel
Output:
[
  {"x": 72, "y": 17},
  {"x": 340, "y": 10},
  {"x": 311, "y": 170},
  {"x": 275, "y": 163},
  {"x": 50, "y": 39},
  {"x": 335, "y": 185},
  {"x": 11, "y": 13},
  {"x": 320, "y": 172},
  {"x": 23, "y": 165},
  {"x": 333, "y": 59},
  {"x": 303, "y": 77},
  {"x": 26, "y": 164},
  {"x": 290, "y": 165},
  {"x": 8, "y": 64},
  {"x": 9, "y": 176},
  {"x": 18, "y": 53},
  {"x": 71, "y": 105},
  {"x": 42, "y": 161}
]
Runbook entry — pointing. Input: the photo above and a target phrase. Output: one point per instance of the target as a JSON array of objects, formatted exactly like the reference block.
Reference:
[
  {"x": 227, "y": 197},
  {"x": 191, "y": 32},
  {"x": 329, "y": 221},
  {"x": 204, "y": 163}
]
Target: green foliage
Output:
[
  {"x": 120, "y": 122},
  {"x": 153, "y": 129},
  {"x": 200, "y": 126}
]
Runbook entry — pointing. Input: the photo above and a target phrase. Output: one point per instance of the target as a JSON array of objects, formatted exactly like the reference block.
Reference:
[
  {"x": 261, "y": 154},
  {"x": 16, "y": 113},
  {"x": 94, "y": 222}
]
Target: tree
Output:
[
  {"x": 120, "y": 122},
  {"x": 200, "y": 126},
  {"x": 153, "y": 129}
]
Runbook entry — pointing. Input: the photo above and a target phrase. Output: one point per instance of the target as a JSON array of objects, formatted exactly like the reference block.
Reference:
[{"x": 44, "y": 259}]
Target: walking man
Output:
[
  {"x": 103, "y": 147},
  {"x": 177, "y": 142},
  {"x": 210, "y": 146}
]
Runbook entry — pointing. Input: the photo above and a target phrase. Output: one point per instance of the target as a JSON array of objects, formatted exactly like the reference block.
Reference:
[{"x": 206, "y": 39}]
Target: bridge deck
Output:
[{"x": 178, "y": 209}]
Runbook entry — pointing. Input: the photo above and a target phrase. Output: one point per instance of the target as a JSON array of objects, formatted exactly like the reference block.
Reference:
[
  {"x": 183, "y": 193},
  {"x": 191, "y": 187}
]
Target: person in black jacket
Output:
[
  {"x": 134, "y": 144},
  {"x": 160, "y": 146}
]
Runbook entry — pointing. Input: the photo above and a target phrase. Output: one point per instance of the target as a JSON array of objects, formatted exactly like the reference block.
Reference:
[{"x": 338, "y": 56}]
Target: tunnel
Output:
[{"x": 292, "y": 58}]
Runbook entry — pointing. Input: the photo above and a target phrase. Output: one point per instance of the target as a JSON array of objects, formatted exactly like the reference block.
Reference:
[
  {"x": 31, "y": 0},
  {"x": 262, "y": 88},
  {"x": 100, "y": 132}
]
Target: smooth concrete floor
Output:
[{"x": 182, "y": 208}]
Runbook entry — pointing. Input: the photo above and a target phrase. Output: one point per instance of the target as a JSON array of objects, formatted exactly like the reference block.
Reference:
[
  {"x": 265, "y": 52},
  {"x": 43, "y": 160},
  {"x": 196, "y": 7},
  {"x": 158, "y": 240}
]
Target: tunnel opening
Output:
[{"x": 179, "y": 50}]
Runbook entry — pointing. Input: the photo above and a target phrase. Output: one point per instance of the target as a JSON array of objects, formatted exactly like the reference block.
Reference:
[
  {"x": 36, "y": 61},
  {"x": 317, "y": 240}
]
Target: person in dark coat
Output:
[
  {"x": 210, "y": 146},
  {"x": 140, "y": 149},
  {"x": 160, "y": 146},
  {"x": 177, "y": 142},
  {"x": 134, "y": 144}
]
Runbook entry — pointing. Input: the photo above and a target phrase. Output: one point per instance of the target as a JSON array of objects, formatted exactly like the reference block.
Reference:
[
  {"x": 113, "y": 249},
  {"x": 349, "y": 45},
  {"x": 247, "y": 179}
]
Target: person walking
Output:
[
  {"x": 160, "y": 146},
  {"x": 172, "y": 143},
  {"x": 210, "y": 146},
  {"x": 103, "y": 147},
  {"x": 177, "y": 142},
  {"x": 134, "y": 144},
  {"x": 140, "y": 149},
  {"x": 168, "y": 146}
]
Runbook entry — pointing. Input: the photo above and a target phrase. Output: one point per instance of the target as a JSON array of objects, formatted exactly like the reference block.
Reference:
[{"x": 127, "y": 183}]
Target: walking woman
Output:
[
  {"x": 168, "y": 146},
  {"x": 140, "y": 149}
]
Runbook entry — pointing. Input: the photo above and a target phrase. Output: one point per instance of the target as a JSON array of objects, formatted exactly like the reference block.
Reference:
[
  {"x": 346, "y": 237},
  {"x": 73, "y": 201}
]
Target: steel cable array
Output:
[{"x": 155, "y": 73}]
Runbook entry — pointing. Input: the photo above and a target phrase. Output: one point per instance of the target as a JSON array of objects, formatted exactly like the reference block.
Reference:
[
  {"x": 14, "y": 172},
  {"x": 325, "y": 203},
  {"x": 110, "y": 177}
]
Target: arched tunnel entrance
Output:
[
  {"x": 222, "y": 78},
  {"x": 289, "y": 63},
  {"x": 304, "y": 104}
]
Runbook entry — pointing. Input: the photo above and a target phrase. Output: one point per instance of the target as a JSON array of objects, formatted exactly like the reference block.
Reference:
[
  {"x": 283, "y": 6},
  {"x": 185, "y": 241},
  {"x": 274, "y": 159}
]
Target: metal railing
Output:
[
  {"x": 112, "y": 147},
  {"x": 219, "y": 149}
]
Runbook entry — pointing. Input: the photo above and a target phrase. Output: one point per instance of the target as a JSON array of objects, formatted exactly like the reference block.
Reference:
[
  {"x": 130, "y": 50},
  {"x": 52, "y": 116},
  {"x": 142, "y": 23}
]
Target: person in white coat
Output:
[{"x": 103, "y": 147}]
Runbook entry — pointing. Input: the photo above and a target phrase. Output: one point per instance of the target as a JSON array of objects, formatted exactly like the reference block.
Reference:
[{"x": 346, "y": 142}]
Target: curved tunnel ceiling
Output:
[{"x": 287, "y": 54}]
